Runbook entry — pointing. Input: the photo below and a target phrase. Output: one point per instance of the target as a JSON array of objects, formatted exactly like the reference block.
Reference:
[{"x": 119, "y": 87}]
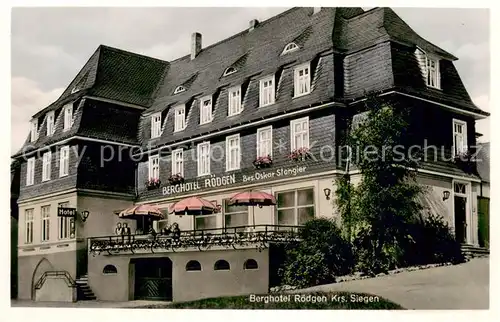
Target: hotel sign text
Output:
[{"x": 220, "y": 181}]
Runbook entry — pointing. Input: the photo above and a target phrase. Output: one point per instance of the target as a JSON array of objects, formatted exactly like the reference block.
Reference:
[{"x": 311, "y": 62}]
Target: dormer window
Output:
[
  {"x": 68, "y": 117},
  {"x": 266, "y": 96},
  {"x": 75, "y": 89},
  {"x": 433, "y": 78},
  {"x": 229, "y": 71},
  {"x": 34, "y": 130},
  {"x": 179, "y": 89},
  {"x": 302, "y": 80},
  {"x": 206, "y": 110},
  {"x": 50, "y": 123},
  {"x": 179, "y": 118},
  {"x": 291, "y": 47},
  {"x": 234, "y": 106},
  {"x": 155, "y": 125}
]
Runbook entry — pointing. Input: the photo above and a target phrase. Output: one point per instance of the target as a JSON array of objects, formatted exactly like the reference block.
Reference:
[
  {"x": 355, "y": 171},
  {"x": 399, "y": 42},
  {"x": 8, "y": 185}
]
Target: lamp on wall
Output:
[
  {"x": 446, "y": 195},
  {"x": 84, "y": 215},
  {"x": 327, "y": 192}
]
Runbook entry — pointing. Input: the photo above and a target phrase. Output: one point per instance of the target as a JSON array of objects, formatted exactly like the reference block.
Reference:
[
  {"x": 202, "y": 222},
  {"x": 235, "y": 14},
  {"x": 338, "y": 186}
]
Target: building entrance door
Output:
[
  {"x": 460, "y": 204},
  {"x": 153, "y": 279}
]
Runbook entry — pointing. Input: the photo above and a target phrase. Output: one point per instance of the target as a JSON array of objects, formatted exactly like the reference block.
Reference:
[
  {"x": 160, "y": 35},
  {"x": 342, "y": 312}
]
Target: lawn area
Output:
[{"x": 289, "y": 301}]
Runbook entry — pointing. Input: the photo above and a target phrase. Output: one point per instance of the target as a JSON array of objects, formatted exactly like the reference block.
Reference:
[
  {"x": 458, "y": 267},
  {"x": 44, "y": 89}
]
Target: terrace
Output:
[{"x": 242, "y": 237}]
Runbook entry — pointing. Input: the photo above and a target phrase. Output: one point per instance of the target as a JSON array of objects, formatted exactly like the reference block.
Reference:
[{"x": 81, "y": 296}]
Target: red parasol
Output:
[
  {"x": 193, "y": 206},
  {"x": 253, "y": 198}
]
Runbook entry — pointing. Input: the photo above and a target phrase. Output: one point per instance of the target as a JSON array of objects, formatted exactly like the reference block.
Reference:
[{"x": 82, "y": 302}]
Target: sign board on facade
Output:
[
  {"x": 220, "y": 181},
  {"x": 66, "y": 212}
]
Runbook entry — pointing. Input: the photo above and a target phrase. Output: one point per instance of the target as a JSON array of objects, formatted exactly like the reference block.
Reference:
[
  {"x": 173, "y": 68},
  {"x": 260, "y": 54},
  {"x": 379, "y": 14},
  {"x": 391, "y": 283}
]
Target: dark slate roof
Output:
[
  {"x": 115, "y": 74},
  {"x": 378, "y": 25},
  {"x": 255, "y": 53},
  {"x": 483, "y": 161}
]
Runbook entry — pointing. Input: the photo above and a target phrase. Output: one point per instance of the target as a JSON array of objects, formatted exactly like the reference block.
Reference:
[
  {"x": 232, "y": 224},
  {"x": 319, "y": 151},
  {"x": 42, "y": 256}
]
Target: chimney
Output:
[
  {"x": 253, "y": 24},
  {"x": 195, "y": 44},
  {"x": 316, "y": 10}
]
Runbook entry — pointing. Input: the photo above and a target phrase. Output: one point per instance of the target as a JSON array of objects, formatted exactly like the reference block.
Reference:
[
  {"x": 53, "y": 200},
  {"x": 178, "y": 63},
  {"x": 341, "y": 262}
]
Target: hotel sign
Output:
[
  {"x": 66, "y": 212},
  {"x": 221, "y": 181}
]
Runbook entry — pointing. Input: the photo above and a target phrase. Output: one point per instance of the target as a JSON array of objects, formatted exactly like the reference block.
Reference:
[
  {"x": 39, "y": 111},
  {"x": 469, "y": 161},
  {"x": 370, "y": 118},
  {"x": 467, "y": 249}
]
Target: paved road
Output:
[{"x": 464, "y": 286}]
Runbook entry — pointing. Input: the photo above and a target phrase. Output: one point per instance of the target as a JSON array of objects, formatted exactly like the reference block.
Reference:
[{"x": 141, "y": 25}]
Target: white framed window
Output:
[
  {"x": 266, "y": 96},
  {"x": 459, "y": 137},
  {"x": 28, "y": 226},
  {"x": 34, "y": 130},
  {"x": 206, "y": 110},
  {"x": 46, "y": 166},
  {"x": 234, "y": 101},
  {"x": 229, "y": 71},
  {"x": 30, "y": 171},
  {"x": 50, "y": 123},
  {"x": 178, "y": 162},
  {"x": 154, "y": 167},
  {"x": 295, "y": 207},
  {"x": 68, "y": 117},
  {"x": 204, "y": 159},
  {"x": 235, "y": 216},
  {"x": 233, "y": 155},
  {"x": 64, "y": 161},
  {"x": 433, "y": 74},
  {"x": 64, "y": 224},
  {"x": 290, "y": 48},
  {"x": 180, "y": 118},
  {"x": 155, "y": 125},
  {"x": 302, "y": 79},
  {"x": 299, "y": 133},
  {"x": 45, "y": 223},
  {"x": 265, "y": 141},
  {"x": 179, "y": 89}
]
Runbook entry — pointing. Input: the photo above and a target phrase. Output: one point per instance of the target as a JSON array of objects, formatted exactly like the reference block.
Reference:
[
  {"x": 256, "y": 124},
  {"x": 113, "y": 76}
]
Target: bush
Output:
[
  {"x": 321, "y": 255},
  {"x": 434, "y": 242}
]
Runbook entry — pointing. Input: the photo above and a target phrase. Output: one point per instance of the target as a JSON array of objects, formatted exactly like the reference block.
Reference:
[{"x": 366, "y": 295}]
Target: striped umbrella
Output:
[
  {"x": 193, "y": 206},
  {"x": 139, "y": 211},
  {"x": 252, "y": 198}
]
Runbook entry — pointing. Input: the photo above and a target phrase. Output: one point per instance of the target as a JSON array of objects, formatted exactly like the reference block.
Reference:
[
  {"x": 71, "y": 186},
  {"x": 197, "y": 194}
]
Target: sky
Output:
[{"x": 50, "y": 45}]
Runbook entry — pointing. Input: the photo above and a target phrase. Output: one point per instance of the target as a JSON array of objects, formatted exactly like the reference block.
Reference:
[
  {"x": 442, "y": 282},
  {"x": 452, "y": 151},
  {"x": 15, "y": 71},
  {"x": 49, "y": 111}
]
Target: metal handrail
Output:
[
  {"x": 259, "y": 235},
  {"x": 202, "y": 232},
  {"x": 67, "y": 278}
]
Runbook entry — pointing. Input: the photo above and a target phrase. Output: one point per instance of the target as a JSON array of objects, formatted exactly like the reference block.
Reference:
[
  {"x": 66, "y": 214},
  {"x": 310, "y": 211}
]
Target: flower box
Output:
[
  {"x": 153, "y": 184},
  {"x": 175, "y": 179},
  {"x": 300, "y": 154},
  {"x": 263, "y": 162}
]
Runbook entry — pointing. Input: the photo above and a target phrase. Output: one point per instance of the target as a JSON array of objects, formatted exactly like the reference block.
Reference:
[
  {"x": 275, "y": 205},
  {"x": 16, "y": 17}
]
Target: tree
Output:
[{"x": 376, "y": 211}]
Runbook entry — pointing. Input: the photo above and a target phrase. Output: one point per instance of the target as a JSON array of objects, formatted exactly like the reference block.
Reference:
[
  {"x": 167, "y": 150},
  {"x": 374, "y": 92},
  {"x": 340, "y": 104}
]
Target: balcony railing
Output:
[{"x": 258, "y": 236}]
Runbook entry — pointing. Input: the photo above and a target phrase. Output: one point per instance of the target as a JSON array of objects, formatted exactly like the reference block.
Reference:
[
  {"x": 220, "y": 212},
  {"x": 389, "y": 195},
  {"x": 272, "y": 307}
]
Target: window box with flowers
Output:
[
  {"x": 465, "y": 161},
  {"x": 263, "y": 162},
  {"x": 176, "y": 179},
  {"x": 153, "y": 183},
  {"x": 300, "y": 154}
]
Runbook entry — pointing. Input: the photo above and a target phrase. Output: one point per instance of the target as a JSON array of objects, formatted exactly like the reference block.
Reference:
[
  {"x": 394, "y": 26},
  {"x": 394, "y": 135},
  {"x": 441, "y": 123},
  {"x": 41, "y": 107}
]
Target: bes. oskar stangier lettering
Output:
[{"x": 281, "y": 172}]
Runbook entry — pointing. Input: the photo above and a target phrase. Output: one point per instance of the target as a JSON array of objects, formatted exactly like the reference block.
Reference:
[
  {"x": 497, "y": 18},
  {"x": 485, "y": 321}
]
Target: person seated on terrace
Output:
[{"x": 176, "y": 231}]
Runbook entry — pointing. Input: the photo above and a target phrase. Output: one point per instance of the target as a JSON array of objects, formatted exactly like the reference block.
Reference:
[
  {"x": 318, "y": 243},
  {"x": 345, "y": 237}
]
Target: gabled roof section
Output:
[
  {"x": 399, "y": 31},
  {"x": 378, "y": 25},
  {"x": 115, "y": 74},
  {"x": 483, "y": 161},
  {"x": 127, "y": 77}
]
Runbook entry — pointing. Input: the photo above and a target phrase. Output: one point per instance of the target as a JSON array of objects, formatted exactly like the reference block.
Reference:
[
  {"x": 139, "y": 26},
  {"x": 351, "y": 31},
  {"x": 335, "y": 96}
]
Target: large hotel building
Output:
[{"x": 132, "y": 130}]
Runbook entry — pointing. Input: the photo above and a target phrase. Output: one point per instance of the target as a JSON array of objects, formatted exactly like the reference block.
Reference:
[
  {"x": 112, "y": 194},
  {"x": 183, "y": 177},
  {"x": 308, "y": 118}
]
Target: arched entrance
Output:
[
  {"x": 153, "y": 279},
  {"x": 43, "y": 265}
]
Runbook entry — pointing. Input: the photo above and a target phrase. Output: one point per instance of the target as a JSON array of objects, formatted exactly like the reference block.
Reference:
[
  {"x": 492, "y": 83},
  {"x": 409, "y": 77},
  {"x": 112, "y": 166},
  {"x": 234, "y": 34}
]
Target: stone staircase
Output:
[
  {"x": 471, "y": 251},
  {"x": 84, "y": 292}
]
